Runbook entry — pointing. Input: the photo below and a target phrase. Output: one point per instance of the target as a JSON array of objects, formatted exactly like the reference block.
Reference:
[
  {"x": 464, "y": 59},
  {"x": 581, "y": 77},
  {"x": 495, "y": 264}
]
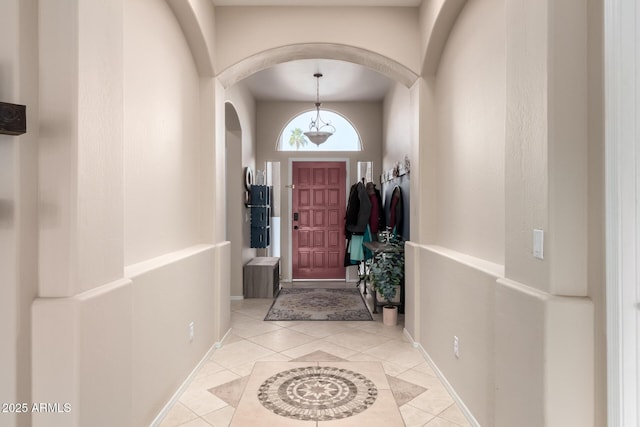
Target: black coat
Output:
[
  {"x": 353, "y": 205},
  {"x": 358, "y": 210}
]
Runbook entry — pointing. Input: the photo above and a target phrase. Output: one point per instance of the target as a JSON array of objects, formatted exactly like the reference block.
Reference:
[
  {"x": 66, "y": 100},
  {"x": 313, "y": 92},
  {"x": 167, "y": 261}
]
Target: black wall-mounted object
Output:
[
  {"x": 260, "y": 216},
  {"x": 13, "y": 119}
]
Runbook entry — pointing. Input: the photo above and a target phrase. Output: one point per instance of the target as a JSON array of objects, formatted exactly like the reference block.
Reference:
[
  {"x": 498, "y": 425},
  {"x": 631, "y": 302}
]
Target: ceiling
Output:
[
  {"x": 294, "y": 81},
  {"x": 396, "y": 3},
  {"x": 342, "y": 81}
]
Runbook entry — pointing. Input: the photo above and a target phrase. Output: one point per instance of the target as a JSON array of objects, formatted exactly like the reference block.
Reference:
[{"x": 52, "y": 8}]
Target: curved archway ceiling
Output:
[{"x": 342, "y": 81}]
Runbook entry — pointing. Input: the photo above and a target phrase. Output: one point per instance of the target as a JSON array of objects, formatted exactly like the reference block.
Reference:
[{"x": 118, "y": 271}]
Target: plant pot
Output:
[{"x": 390, "y": 315}]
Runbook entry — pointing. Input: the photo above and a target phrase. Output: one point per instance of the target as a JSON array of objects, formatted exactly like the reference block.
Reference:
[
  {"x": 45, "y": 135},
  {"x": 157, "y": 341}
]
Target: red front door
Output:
[{"x": 318, "y": 206}]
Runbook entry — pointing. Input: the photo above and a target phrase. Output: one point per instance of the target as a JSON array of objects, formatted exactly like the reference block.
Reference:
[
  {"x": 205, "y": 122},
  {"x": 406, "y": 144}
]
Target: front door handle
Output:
[{"x": 295, "y": 227}]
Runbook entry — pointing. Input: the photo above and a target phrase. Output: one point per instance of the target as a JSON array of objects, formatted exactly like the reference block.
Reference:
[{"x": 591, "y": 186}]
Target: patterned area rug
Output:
[{"x": 319, "y": 304}]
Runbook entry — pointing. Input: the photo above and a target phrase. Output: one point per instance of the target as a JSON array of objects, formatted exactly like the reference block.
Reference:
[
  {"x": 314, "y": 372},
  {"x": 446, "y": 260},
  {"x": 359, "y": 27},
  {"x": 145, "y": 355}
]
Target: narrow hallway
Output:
[{"x": 213, "y": 396}]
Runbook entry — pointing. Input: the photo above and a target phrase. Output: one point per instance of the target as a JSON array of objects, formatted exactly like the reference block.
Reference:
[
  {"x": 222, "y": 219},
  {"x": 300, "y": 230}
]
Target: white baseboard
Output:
[
  {"x": 465, "y": 411},
  {"x": 185, "y": 384},
  {"x": 237, "y": 297}
]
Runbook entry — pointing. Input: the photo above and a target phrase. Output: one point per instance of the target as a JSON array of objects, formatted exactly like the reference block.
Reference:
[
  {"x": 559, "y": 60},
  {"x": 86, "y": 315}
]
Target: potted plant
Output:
[{"x": 387, "y": 271}]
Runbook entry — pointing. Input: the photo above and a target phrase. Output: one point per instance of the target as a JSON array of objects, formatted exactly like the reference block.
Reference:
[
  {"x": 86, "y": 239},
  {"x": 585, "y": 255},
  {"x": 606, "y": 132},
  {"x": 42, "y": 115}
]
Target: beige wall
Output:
[
  {"x": 436, "y": 19},
  {"x": 273, "y": 116},
  {"x": 398, "y": 142},
  {"x": 161, "y": 143},
  {"x": 470, "y": 116},
  {"x": 18, "y": 199},
  {"x": 82, "y": 355},
  {"x": 162, "y": 310},
  {"x": 241, "y": 152},
  {"x": 596, "y": 225},
  {"x": 128, "y": 240},
  {"x": 80, "y": 152},
  {"x": 515, "y": 87},
  {"x": 235, "y": 223},
  {"x": 282, "y": 26},
  {"x": 457, "y": 299},
  {"x": 397, "y": 126},
  {"x": 546, "y": 144}
]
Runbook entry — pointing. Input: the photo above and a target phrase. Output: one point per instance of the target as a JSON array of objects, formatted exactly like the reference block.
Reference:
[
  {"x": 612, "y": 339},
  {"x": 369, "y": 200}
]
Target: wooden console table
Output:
[{"x": 261, "y": 278}]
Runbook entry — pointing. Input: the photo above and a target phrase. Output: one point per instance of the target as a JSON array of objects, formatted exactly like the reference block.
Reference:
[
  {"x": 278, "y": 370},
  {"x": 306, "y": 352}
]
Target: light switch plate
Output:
[
  {"x": 456, "y": 347},
  {"x": 538, "y": 243}
]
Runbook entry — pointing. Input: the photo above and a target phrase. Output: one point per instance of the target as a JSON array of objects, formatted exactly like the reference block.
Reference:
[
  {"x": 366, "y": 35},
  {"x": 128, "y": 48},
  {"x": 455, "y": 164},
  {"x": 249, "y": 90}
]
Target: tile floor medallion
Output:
[{"x": 319, "y": 393}]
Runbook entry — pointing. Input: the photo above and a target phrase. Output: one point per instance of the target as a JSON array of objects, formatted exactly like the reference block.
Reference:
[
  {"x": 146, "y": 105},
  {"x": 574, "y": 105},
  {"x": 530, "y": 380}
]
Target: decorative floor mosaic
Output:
[
  {"x": 310, "y": 393},
  {"x": 319, "y": 393}
]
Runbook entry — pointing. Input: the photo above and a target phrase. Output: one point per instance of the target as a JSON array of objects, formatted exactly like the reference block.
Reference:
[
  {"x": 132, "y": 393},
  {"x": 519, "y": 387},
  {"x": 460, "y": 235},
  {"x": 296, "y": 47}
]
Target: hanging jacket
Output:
[
  {"x": 377, "y": 218},
  {"x": 396, "y": 213},
  {"x": 363, "y": 212},
  {"x": 353, "y": 206}
]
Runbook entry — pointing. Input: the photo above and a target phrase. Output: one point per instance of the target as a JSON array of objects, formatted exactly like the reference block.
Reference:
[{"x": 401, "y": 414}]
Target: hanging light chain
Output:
[
  {"x": 318, "y": 123},
  {"x": 318, "y": 136}
]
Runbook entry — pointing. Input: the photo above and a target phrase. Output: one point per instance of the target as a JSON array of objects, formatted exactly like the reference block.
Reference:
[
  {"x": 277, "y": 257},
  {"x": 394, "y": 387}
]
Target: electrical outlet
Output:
[
  {"x": 456, "y": 347},
  {"x": 191, "y": 331}
]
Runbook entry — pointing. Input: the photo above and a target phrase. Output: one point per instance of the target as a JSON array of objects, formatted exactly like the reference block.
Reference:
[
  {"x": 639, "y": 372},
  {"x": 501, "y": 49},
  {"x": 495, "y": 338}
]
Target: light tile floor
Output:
[{"x": 214, "y": 394}]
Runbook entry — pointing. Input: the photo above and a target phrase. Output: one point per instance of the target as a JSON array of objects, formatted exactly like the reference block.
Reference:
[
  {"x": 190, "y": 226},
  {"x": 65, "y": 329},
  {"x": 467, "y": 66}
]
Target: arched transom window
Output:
[{"x": 345, "y": 138}]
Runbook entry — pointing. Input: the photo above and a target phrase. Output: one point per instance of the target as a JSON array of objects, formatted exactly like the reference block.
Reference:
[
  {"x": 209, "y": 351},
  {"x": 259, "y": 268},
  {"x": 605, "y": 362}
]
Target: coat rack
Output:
[
  {"x": 13, "y": 119},
  {"x": 397, "y": 171}
]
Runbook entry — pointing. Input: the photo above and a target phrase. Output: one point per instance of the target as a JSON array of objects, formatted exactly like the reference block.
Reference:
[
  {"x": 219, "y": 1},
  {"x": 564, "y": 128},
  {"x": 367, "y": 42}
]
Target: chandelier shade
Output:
[{"x": 319, "y": 130}]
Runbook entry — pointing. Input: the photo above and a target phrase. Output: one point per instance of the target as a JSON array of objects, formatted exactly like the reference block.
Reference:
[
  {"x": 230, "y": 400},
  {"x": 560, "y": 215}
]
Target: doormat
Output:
[{"x": 319, "y": 304}]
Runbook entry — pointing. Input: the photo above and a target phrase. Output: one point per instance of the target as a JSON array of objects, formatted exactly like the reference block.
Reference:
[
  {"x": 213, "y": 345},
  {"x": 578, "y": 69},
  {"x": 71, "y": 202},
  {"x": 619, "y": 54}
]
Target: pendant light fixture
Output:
[{"x": 319, "y": 130}]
